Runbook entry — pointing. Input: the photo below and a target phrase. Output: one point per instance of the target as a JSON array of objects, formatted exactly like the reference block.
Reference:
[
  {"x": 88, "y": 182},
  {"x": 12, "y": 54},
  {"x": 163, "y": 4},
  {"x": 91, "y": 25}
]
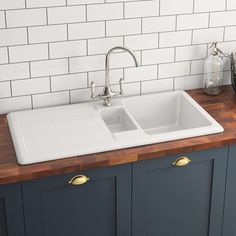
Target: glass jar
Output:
[{"x": 213, "y": 73}]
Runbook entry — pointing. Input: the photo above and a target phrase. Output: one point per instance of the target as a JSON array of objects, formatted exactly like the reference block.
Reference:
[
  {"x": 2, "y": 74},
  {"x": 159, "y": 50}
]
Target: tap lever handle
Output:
[
  {"x": 93, "y": 90},
  {"x": 121, "y": 86}
]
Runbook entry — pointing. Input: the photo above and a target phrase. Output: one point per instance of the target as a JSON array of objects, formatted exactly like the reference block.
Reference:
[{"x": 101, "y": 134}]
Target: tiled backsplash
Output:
[{"x": 50, "y": 50}]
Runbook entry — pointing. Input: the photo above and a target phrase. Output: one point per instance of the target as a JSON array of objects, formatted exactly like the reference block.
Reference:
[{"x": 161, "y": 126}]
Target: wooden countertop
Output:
[{"x": 222, "y": 108}]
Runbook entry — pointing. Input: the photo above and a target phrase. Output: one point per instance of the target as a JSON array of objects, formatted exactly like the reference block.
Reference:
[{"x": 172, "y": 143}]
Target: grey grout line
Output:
[
  {"x": 123, "y": 10},
  {"x": 50, "y": 83},
  {"x": 69, "y": 69},
  {"x": 11, "y": 88},
  {"x": 176, "y": 21},
  {"x": 5, "y": 17},
  {"x": 30, "y": 75},
  {"x": 47, "y": 16},
  {"x": 32, "y": 102},
  {"x": 8, "y": 55},
  {"x": 193, "y": 6},
  {"x": 209, "y": 19},
  {"x": 86, "y": 13},
  {"x": 224, "y": 34}
]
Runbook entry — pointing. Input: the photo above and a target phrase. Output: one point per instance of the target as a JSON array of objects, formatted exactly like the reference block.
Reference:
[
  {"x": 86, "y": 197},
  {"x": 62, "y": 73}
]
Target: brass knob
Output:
[
  {"x": 78, "y": 180},
  {"x": 181, "y": 161}
]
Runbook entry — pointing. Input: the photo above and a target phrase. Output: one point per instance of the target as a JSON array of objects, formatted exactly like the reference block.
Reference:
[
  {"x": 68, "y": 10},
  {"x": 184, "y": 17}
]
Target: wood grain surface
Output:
[{"x": 222, "y": 108}]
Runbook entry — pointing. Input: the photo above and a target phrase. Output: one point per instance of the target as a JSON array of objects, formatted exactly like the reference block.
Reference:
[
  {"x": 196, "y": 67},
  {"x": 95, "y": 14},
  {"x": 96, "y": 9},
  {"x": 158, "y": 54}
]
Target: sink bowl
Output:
[
  {"x": 59, "y": 132},
  {"x": 168, "y": 112}
]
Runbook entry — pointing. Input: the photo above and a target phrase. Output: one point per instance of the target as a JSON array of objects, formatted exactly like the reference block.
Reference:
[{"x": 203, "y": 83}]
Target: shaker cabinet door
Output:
[
  {"x": 101, "y": 206},
  {"x": 180, "y": 199},
  {"x": 229, "y": 225},
  {"x": 11, "y": 210}
]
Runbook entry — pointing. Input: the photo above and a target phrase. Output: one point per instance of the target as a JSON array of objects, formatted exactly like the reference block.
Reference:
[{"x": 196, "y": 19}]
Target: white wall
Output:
[{"x": 50, "y": 50}]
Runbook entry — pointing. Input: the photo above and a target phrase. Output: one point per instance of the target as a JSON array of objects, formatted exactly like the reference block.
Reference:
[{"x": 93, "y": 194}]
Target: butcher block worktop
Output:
[{"x": 222, "y": 108}]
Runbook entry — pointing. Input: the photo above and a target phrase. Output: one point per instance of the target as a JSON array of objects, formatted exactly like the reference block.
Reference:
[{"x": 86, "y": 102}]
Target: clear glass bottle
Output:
[{"x": 213, "y": 72}]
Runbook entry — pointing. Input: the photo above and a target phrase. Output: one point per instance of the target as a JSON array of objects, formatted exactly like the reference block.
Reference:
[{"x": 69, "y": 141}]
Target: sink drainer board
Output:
[{"x": 59, "y": 132}]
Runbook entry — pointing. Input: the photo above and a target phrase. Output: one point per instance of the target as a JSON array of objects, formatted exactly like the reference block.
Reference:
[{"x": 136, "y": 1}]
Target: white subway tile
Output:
[
  {"x": 140, "y": 73},
  {"x": 61, "y": 15},
  {"x": 222, "y": 18},
  {"x": 26, "y": 17},
  {"x": 158, "y": 24},
  {"x": 5, "y": 89},
  {"x": 119, "y": 60},
  {"x": 154, "y": 86},
  {"x": 68, "y": 49},
  {"x": 15, "y": 104},
  {"x": 99, "y": 46},
  {"x": 193, "y": 21},
  {"x": 230, "y": 33},
  {"x": 3, "y": 55},
  {"x": 104, "y": 11},
  {"x": 12, "y": 4},
  {"x": 86, "y": 30},
  {"x": 67, "y": 82},
  {"x": 209, "y": 5},
  {"x": 156, "y": 56},
  {"x": 175, "y": 38},
  {"x": 191, "y": 52},
  {"x": 141, "y": 9},
  {"x": 45, "y": 3},
  {"x": 174, "y": 69},
  {"x": 99, "y": 77},
  {"x": 189, "y": 82},
  {"x": 10, "y": 37},
  {"x": 123, "y": 27},
  {"x": 2, "y": 20},
  {"x": 50, "y": 67},
  {"x": 197, "y": 67},
  {"x": 139, "y": 42},
  {"x": 30, "y": 86},
  {"x": 28, "y": 53},
  {"x": 80, "y": 95},
  {"x": 79, "y": 2},
  {"x": 170, "y": 7},
  {"x": 51, "y": 99},
  {"x": 208, "y": 35},
  {"x": 131, "y": 89},
  {"x": 231, "y": 5},
  {"x": 41, "y": 34},
  {"x": 14, "y": 71},
  {"x": 89, "y": 63},
  {"x": 227, "y": 47}
]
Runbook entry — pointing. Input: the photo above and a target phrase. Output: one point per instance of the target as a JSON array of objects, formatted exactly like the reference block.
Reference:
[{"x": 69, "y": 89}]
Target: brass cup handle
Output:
[
  {"x": 181, "y": 161},
  {"x": 78, "y": 180}
]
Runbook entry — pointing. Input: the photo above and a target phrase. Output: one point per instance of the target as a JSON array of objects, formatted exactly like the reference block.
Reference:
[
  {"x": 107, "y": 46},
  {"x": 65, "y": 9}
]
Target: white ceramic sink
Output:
[{"x": 73, "y": 130}]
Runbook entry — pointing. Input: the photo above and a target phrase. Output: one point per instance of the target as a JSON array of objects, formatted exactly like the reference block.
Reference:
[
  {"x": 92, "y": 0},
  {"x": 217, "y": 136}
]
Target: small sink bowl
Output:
[{"x": 117, "y": 120}]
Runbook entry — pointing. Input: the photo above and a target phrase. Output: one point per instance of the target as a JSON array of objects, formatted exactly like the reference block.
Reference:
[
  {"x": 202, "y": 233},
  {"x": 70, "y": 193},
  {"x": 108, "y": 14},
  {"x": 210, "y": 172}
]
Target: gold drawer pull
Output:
[
  {"x": 181, "y": 161},
  {"x": 78, "y": 180}
]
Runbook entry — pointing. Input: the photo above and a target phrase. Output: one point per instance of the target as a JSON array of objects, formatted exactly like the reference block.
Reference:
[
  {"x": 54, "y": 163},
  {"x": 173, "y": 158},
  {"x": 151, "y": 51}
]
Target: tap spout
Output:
[{"x": 107, "y": 66}]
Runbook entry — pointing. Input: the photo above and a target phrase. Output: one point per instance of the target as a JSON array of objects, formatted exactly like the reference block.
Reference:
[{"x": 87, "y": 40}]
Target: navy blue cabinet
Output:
[
  {"x": 11, "y": 211},
  {"x": 229, "y": 225},
  {"x": 180, "y": 201},
  {"x": 147, "y": 198},
  {"x": 102, "y": 206}
]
